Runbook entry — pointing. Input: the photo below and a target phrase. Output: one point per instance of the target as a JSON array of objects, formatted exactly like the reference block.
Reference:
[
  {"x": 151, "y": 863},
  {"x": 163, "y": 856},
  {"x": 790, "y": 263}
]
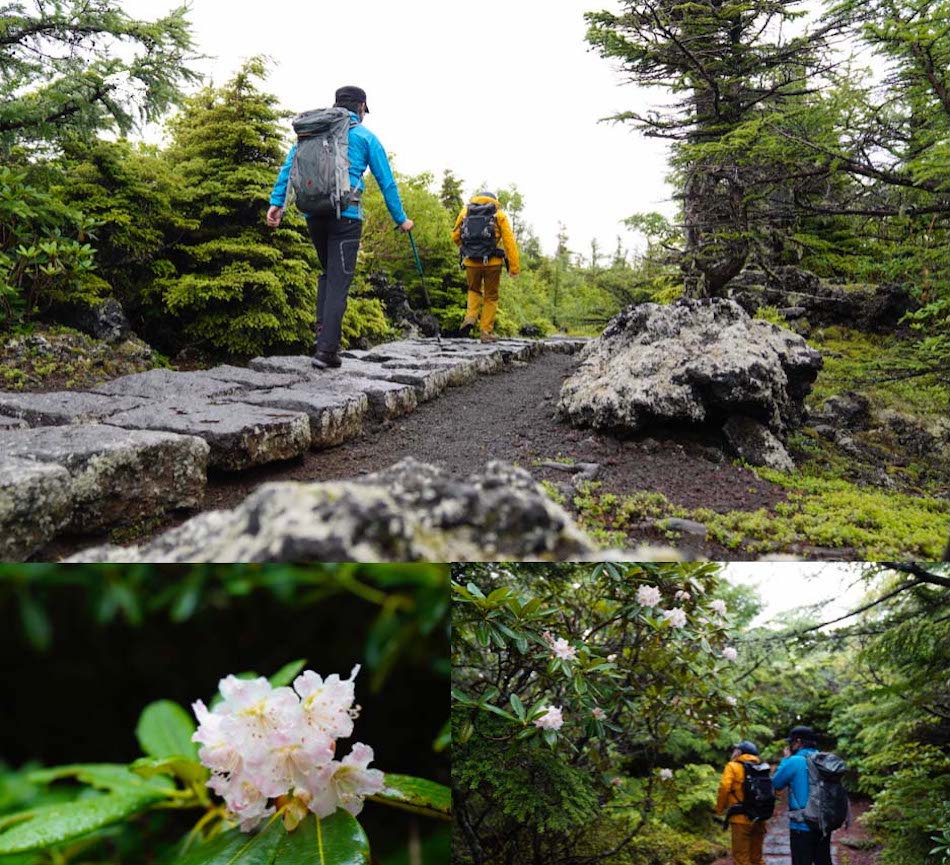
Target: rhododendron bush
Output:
[
  {"x": 570, "y": 679},
  {"x": 264, "y": 771}
]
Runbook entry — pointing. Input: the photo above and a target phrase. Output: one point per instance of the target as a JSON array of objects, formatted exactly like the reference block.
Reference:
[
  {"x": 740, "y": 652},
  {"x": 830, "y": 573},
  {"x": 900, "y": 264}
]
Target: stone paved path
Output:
[{"x": 142, "y": 444}]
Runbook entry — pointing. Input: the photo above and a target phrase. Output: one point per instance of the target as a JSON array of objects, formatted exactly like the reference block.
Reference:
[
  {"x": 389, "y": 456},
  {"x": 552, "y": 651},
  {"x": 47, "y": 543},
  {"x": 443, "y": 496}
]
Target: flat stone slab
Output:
[
  {"x": 428, "y": 383},
  {"x": 12, "y": 423},
  {"x": 166, "y": 384},
  {"x": 335, "y": 416},
  {"x": 35, "y": 505},
  {"x": 387, "y": 399},
  {"x": 251, "y": 378},
  {"x": 64, "y": 407},
  {"x": 464, "y": 364},
  {"x": 239, "y": 434},
  {"x": 507, "y": 348},
  {"x": 566, "y": 344},
  {"x": 115, "y": 476}
]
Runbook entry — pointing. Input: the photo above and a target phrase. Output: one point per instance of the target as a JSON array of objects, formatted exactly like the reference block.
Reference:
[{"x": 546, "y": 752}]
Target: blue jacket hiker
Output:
[
  {"x": 808, "y": 845},
  {"x": 337, "y": 240}
]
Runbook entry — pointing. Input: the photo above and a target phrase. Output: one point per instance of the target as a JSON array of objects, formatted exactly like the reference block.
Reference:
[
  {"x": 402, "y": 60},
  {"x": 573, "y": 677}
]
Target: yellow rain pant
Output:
[
  {"x": 747, "y": 841},
  {"x": 483, "y": 282}
]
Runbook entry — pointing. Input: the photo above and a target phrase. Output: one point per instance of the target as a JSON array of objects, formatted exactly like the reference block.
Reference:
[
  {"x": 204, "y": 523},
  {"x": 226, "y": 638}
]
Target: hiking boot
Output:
[
  {"x": 488, "y": 337},
  {"x": 466, "y": 328},
  {"x": 326, "y": 359}
]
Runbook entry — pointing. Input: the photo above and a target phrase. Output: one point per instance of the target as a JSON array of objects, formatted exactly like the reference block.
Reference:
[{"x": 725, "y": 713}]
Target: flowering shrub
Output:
[
  {"x": 588, "y": 668},
  {"x": 268, "y": 747}
]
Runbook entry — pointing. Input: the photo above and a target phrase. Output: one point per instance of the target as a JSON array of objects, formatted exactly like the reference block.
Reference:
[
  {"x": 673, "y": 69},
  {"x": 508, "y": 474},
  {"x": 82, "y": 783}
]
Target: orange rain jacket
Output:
[{"x": 503, "y": 234}]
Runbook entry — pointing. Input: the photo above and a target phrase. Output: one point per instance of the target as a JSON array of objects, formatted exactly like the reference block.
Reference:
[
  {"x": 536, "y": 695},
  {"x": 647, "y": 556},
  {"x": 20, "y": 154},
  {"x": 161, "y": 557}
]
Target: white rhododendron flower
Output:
[
  {"x": 719, "y": 606},
  {"x": 731, "y": 701},
  {"x": 261, "y": 743},
  {"x": 729, "y": 653},
  {"x": 648, "y": 596},
  {"x": 598, "y": 713},
  {"x": 682, "y": 596},
  {"x": 552, "y": 719},
  {"x": 666, "y": 774},
  {"x": 345, "y": 784},
  {"x": 563, "y": 650},
  {"x": 676, "y": 617}
]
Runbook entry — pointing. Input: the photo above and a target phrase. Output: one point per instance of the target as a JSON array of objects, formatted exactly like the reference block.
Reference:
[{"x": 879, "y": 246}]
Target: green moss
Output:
[
  {"x": 553, "y": 493},
  {"x": 66, "y": 358},
  {"x": 876, "y": 366},
  {"x": 136, "y": 531},
  {"x": 771, "y": 315},
  {"x": 822, "y": 512}
]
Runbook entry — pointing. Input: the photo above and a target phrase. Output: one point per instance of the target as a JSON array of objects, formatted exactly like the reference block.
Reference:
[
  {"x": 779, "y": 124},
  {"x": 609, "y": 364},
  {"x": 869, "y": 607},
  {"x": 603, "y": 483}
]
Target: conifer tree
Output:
[
  {"x": 237, "y": 287},
  {"x": 71, "y": 67},
  {"x": 731, "y": 68}
]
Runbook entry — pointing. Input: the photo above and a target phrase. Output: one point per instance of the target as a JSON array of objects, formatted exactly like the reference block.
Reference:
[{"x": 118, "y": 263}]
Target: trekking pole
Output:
[{"x": 425, "y": 291}]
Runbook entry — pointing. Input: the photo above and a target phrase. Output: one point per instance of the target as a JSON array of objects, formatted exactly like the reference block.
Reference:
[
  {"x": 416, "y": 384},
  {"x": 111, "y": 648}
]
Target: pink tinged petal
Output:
[
  {"x": 360, "y": 756},
  {"x": 307, "y": 682},
  {"x": 324, "y": 798}
]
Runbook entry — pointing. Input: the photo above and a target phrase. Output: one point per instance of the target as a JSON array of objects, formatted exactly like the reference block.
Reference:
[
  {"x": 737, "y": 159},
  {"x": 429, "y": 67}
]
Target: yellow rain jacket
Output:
[
  {"x": 503, "y": 236},
  {"x": 730, "y": 786}
]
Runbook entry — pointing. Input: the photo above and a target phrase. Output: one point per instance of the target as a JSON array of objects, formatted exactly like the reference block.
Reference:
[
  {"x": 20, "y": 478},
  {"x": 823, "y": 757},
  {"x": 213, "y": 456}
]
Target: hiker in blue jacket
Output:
[
  {"x": 809, "y": 846},
  {"x": 337, "y": 240}
]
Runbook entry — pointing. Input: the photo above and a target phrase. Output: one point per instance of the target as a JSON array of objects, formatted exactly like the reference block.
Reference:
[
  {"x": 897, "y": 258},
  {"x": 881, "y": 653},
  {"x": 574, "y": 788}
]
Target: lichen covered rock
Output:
[
  {"x": 409, "y": 512},
  {"x": 693, "y": 362}
]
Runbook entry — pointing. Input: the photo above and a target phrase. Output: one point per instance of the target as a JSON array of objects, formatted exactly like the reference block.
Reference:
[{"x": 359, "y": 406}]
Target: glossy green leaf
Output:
[
  {"x": 417, "y": 795},
  {"x": 286, "y": 674},
  {"x": 239, "y": 848},
  {"x": 165, "y": 730},
  {"x": 103, "y": 776},
  {"x": 35, "y": 622},
  {"x": 337, "y": 840},
  {"x": 189, "y": 771},
  {"x": 55, "y": 824}
]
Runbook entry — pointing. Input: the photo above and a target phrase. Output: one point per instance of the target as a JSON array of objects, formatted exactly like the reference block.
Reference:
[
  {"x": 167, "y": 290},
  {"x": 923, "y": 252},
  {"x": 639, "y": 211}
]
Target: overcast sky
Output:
[
  {"x": 787, "y": 585},
  {"x": 502, "y": 92}
]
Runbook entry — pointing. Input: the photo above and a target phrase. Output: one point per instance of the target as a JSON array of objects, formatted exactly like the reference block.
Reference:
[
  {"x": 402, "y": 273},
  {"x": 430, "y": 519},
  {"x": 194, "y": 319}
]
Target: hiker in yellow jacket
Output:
[
  {"x": 483, "y": 234},
  {"x": 747, "y": 836}
]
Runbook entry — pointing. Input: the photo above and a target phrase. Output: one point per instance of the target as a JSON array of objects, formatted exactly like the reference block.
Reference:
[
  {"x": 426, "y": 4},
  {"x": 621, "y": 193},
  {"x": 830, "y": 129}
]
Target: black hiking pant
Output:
[
  {"x": 337, "y": 242},
  {"x": 810, "y": 848}
]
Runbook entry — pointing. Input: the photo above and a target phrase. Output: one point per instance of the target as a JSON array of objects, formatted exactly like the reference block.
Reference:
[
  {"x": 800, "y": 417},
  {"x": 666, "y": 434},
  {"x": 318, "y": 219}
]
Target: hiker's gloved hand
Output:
[
  {"x": 274, "y": 215},
  {"x": 407, "y": 225}
]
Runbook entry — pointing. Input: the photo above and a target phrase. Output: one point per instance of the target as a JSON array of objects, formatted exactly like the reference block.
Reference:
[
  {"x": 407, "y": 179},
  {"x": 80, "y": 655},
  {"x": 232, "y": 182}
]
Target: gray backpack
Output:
[
  {"x": 320, "y": 173},
  {"x": 827, "y": 806}
]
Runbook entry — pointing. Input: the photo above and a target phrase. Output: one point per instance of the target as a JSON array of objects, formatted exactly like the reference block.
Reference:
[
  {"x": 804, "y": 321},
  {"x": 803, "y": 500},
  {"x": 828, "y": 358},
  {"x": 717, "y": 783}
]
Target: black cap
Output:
[
  {"x": 351, "y": 94},
  {"x": 747, "y": 747},
  {"x": 806, "y": 734}
]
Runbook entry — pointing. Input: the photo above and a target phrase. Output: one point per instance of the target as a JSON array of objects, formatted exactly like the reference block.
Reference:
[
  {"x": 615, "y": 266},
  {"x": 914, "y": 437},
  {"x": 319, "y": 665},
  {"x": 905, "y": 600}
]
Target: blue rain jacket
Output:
[
  {"x": 792, "y": 772},
  {"x": 364, "y": 151}
]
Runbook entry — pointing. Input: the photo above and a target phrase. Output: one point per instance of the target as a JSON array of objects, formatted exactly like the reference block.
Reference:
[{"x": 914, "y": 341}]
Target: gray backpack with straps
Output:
[
  {"x": 320, "y": 173},
  {"x": 827, "y": 806}
]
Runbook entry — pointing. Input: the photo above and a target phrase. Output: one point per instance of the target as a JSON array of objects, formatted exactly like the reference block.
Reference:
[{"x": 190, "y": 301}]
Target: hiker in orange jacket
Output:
[
  {"x": 747, "y": 835},
  {"x": 483, "y": 259}
]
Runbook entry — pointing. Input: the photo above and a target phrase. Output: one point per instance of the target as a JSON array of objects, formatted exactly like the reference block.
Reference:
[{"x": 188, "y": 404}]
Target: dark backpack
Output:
[
  {"x": 827, "y": 806},
  {"x": 320, "y": 173},
  {"x": 758, "y": 795},
  {"x": 478, "y": 232}
]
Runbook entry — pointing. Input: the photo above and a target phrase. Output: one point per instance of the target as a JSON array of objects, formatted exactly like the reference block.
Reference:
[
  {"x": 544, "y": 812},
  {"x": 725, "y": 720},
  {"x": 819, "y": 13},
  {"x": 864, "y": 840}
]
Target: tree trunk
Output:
[{"x": 716, "y": 238}]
